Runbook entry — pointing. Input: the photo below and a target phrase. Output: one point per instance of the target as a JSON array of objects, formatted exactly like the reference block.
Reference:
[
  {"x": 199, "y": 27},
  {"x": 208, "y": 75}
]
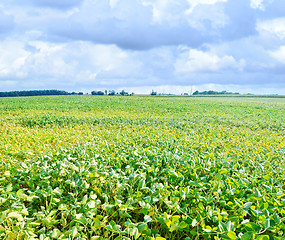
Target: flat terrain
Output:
[{"x": 141, "y": 167}]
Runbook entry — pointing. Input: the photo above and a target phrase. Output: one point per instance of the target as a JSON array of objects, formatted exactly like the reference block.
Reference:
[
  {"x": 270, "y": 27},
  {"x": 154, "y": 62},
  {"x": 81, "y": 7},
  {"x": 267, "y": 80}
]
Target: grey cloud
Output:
[
  {"x": 130, "y": 25},
  {"x": 241, "y": 22},
  {"x": 137, "y": 31},
  {"x": 135, "y": 37}
]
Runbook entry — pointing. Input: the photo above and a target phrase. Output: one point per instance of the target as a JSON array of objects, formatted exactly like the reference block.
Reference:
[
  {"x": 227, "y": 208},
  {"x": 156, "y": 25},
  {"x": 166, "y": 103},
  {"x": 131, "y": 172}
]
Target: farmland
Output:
[{"x": 141, "y": 167}]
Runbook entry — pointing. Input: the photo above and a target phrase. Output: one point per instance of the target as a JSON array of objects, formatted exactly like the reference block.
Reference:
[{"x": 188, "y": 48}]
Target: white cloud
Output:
[
  {"x": 257, "y": 4},
  {"x": 12, "y": 59},
  {"x": 47, "y": 60},
  {"x": 193, "y": 12},
  {"x": 273, "y": 27},
  {"x": 199, "y": 17},
  {"x": 279, "y": 54},
  {"x": 166, "y": 11},
  {"x": 113, "y": 3},
  {"x": 69, "y": 63},
  {"x": 192, "y": 60},
  {"x": 195, "y": 3}
]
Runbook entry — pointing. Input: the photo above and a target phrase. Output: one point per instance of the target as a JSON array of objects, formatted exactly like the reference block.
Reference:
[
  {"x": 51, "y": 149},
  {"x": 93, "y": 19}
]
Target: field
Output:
[{"x": 141, "y": 167}]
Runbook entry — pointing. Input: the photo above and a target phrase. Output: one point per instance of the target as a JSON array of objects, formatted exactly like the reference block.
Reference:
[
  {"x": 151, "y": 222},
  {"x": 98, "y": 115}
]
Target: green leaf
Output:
[
  {"x": 147, "y": 219},
  {"x": 91, "y": 204},
  {"x": 16, "y": 215},
  {"x": 246, "y": 236},
  {"x": 263, "y": 237},
  {"x": 95, "y": 237},
  {"x": 247, "y": 205},
  {"x": 112, "y": 224},
  {"x": 194, "y": 222},
  {"x": 175, "y": 218},
  {"x": 252, "y": 227},
  {"x": 229, "y": 226},
  {"x": 113, "y": 227},
  {"x": 135, "y": 232},
  {"x": 256, "y": 211},
  {"x": 245, "y": 221},
  {"x": 267, "y": 223},
  {"x": 2, "y": 200},
  {"x": 174, "y": 227},
  {"x": 208, "y": 229},
  {"x": 57, "y": 191},
  {"x": 55, "y": 233},
  {"x": 9, "y": 188},
  {"x": 183, "y": 225},
  {"x": 84, "y": 200},
  {"x": 109, "y": 228},
  {"x": 277, "y": 218},
  {"x": 257, "y": 193},
  {"x": 232, "y": 235},
  {"x": 62, "y": 207},
  {"x": 222, "y": 227},
  {"x": 141, "y": 183},
  {"x": 74, "y": 232},
  {"x": 142, "y": 227}
]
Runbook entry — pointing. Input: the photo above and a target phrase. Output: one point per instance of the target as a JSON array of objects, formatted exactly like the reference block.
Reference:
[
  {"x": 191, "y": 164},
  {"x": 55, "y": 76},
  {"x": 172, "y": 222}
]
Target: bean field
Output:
[{"x": 142, "y": 167}]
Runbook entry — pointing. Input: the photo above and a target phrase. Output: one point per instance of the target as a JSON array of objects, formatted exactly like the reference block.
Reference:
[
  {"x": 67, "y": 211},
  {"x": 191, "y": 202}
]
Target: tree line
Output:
[
  {"x": 36, "y": 93},
  {"x": 112, "y": 93},
  {"x": 211, "y": 92},
  {"x": 106, "y": 92}
]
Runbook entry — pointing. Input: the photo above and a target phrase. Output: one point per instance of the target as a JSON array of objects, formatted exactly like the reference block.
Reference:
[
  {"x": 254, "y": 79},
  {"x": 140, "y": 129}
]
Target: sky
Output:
[{"x": 170, "y": 46}]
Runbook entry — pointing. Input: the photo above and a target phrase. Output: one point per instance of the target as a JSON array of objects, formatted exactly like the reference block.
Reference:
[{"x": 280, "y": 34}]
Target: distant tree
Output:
[
  {"x": 97, "y": 93},
  {"x": 106, "y": 92},
  {"x": 112, "y": 92},
  {"x": 124, "y": 93},
  {"x": 80, "y": 93},
  {"x": 211, "y": 92},
  {"x": 196, "y": 93},
  {"x": 153, "y": 93}
]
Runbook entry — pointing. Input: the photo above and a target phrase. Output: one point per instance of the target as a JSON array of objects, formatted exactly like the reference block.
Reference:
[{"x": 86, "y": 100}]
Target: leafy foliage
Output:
[{"x": 142, "y": 168}]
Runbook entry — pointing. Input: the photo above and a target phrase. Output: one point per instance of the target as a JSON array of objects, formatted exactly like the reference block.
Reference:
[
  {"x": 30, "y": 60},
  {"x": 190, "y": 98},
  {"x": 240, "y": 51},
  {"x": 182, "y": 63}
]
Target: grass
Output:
[{"x": 87, "y": 167}]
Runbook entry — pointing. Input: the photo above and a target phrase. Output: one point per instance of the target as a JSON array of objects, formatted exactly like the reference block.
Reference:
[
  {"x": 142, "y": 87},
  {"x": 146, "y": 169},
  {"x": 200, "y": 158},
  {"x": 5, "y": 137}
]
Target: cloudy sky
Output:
[{"x": 139, "y": 45}]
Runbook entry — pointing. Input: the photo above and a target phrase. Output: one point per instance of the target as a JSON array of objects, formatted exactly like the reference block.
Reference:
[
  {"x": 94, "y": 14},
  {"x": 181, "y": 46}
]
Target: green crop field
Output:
[{"x": 141, "y": 167}]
